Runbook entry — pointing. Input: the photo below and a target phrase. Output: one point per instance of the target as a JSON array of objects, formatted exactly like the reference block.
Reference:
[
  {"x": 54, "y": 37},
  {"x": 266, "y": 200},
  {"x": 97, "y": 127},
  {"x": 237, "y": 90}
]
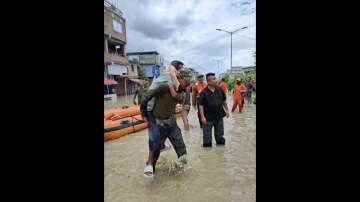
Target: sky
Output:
[{"x": 185, "y": 30}]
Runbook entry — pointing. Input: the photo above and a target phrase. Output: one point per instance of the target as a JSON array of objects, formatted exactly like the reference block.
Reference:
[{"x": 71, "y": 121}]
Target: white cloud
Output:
[{"x": 185, "y": 30}]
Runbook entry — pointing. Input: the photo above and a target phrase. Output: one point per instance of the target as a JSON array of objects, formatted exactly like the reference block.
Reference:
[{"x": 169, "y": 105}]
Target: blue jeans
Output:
[{"x": 154, "y": 133}]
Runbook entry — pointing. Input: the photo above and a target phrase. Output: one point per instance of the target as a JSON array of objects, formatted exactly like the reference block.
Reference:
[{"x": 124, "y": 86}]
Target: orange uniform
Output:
[
  {"x": 236, "y": 92},
  {"x": 223, "y": 86},
  {"x": 238, "y": 100},
  {"x": 242, "y": 89},
  {"x": 196, "y": 90}
]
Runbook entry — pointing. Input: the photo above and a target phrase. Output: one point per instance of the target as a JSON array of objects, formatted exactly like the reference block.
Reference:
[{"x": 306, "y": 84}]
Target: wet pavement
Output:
[{"x": 221, "y": 173}]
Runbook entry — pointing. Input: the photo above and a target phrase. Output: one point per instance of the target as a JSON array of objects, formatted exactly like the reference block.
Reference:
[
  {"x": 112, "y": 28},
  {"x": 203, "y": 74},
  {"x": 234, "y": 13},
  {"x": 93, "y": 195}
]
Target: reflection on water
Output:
[{"x": 224, "y": 173}]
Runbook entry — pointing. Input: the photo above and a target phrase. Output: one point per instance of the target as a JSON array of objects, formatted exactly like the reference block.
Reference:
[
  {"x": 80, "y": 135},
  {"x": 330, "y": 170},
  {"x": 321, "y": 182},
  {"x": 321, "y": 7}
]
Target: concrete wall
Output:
[
  {"x": 118, "y": 59},
  {"x": 109, "y": 16},
  {"x": 132, "y": 72}
]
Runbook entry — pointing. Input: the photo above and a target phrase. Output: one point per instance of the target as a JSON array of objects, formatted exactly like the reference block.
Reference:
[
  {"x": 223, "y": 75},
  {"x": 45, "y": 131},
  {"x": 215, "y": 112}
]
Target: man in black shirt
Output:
[{"x": 213, "y": 108}]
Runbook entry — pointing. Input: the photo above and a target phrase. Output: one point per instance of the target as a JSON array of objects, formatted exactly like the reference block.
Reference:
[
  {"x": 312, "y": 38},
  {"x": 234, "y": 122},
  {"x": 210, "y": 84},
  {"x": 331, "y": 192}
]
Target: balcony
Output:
[{"x": 116, "y": 58}]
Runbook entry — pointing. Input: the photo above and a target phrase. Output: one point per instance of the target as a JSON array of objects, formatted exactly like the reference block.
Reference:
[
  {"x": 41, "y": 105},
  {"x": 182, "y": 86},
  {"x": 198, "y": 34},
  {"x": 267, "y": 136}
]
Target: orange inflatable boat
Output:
[
  {"x": 124, "y": 126},
  {"x": 122, "y": 121},
  {"x": 119, "y": 113}
]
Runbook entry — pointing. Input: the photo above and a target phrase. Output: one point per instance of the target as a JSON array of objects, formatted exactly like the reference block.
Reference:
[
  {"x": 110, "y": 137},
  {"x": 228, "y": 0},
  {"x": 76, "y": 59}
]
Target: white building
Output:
[{"x": 239, "y": 70}]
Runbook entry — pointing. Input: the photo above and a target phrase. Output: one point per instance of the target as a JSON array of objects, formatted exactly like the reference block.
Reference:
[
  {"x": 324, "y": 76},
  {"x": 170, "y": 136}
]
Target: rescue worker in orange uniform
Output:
[
  {"x": 223, "y": 85},
  {"x": 238, "y": 96},
  {"x": 197, "y": 88}
]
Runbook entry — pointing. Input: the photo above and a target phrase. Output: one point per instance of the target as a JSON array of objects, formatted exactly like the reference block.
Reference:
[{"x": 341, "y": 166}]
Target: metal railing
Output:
[{"x": 112, "y": 7}]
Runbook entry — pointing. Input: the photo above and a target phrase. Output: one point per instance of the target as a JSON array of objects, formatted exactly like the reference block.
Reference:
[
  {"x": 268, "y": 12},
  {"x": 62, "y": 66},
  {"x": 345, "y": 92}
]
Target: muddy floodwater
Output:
[{"x": 221, "y": 173}]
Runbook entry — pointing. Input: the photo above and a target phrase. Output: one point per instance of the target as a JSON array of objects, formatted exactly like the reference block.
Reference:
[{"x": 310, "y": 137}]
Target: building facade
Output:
[
  {"x": 115, "y": 60},
  {"x": 233, "y": 72},
  {"x": 116, "y": 64},
  {"x": 150, "y": 61},
  {"x": 190, "y": 73},
  {"x": 248, "y": 69},
  {"x": 239, "y": 71}
]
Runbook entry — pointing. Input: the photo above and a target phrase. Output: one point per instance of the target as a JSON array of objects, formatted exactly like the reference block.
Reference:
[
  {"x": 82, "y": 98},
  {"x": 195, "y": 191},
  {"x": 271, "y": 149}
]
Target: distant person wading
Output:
[
  {"x": 186, "y": 105},
  {"x": 197, "y": 88},
  {"x": 238, "y": 96},
  {"x": 223, "y": 85},
  {"x": 249, "y": 90},
  {"x": 143, "y": 86}
]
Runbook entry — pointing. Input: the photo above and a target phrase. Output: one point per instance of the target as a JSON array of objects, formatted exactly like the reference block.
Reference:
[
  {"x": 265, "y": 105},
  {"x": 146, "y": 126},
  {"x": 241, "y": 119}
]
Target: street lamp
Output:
[{"x": 231, "y": 33}]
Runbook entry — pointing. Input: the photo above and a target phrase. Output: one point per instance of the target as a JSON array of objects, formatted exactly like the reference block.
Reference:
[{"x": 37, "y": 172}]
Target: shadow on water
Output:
[{"x": 220, "y": 173}]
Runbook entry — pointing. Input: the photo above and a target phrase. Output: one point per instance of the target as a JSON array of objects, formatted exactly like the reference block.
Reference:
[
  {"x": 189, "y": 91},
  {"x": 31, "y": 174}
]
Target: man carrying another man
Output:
[{"x": 164, "y": 113}]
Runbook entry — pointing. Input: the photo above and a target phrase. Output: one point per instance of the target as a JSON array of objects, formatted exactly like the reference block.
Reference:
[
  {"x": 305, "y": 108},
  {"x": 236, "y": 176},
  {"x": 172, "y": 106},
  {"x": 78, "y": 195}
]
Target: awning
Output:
[{"x": 110, "y": 82}]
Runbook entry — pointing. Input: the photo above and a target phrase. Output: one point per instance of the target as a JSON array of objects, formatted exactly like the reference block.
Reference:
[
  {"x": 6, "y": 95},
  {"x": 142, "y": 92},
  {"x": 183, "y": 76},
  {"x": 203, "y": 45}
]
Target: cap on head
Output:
[{"x": 176, "y": 64}]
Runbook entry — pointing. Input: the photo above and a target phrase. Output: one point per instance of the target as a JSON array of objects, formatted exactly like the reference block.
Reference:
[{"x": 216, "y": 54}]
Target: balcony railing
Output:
[
  {"x": 121, "y": 59},
  {"x": 111, "y": 6}
]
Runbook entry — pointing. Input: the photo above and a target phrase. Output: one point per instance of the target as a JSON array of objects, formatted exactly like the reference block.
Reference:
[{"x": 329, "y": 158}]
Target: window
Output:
[
  {"x": 115, "y": 48},
  {"x": 117, "y": 26},
  {"x": 132, "y": 67}
]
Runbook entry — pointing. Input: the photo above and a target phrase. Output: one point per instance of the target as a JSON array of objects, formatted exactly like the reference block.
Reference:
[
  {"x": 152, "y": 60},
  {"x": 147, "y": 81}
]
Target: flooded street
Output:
[{"x": 223, "y": 173}]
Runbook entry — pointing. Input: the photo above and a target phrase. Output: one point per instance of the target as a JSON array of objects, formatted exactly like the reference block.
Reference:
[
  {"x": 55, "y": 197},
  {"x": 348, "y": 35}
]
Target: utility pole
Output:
[
  {"x": 218, "y": 67},
  {"x": 231, "y": 33}
]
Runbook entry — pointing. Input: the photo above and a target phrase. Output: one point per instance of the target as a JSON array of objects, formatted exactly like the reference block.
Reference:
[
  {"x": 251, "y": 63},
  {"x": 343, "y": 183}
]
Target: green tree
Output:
[
  {"x": 226, "y": 77},
  {"x": 230, "y": 84},
  {"x": 141, "y": 72}
]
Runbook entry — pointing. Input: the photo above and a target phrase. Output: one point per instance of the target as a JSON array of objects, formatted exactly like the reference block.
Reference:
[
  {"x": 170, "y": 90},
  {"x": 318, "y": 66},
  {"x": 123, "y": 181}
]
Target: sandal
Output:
[{"x": 149, "y": 170}]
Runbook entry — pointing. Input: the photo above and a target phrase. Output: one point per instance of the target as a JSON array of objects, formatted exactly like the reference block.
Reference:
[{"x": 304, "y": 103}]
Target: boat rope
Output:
[{"x": 134, "y": 118}]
